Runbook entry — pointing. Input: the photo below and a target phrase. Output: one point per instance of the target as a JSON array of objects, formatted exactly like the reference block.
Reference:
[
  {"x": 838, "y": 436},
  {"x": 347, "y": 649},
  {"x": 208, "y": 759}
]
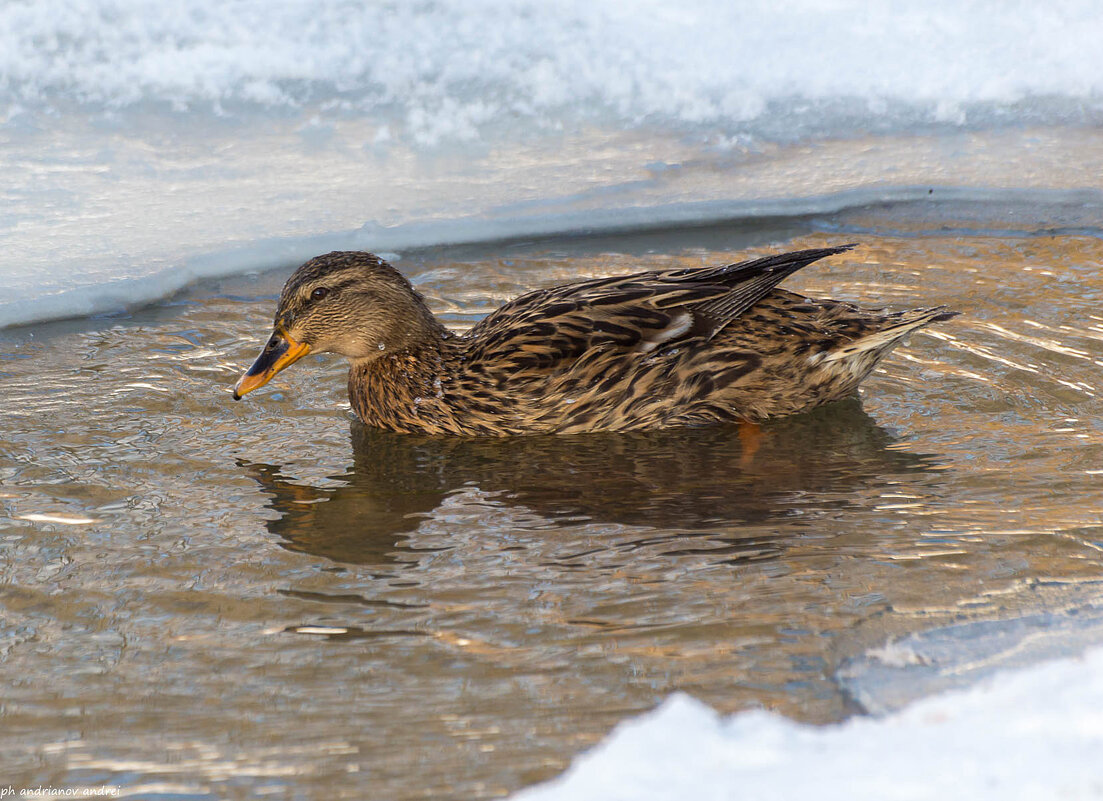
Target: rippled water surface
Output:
[{"x": 209, "y": 599}]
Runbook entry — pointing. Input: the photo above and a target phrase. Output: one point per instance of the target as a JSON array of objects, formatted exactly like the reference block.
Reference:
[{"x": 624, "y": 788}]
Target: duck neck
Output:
[
  {"x": 401, "y": 389},
  {"x": 419, "y": 331}
]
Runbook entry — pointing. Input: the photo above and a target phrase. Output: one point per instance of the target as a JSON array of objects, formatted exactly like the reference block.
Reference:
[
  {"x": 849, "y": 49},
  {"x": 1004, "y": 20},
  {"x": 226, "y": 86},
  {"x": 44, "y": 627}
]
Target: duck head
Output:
[{"x": 350, "y": 303}]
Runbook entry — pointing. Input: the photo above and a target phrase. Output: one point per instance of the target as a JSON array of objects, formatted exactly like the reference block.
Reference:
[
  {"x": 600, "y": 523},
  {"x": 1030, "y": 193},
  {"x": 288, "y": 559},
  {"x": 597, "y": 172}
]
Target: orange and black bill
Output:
[{"x": 280, "y": 352}]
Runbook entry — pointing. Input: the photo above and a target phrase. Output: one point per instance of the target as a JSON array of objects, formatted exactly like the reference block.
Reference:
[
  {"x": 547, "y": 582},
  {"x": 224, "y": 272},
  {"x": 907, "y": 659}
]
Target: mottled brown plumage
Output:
[{"x": 660, "y": 349}]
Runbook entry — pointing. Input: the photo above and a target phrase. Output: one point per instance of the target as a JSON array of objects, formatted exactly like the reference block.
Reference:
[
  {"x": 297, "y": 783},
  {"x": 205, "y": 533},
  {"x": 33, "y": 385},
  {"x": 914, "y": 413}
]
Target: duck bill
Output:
[{"x": 280, "y": 352}]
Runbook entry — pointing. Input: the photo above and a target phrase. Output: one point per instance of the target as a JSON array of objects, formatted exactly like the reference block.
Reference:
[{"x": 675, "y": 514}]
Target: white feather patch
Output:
[
  {"x": 677, "y": 326},
  {"x": 873, "y": 342}
]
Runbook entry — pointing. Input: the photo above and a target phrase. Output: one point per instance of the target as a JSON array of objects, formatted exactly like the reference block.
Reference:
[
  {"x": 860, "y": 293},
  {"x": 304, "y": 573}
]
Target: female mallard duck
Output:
[{"x": 660, "y": 349}]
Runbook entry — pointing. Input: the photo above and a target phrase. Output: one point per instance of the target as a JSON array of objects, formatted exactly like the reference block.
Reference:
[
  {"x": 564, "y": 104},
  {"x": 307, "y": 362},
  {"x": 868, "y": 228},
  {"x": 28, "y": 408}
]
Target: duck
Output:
[{"x": 651, "y": 350}]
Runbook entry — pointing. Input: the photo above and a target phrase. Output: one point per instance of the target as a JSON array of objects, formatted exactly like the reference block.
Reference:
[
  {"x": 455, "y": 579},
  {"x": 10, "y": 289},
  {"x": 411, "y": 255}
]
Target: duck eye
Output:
[{"x": 319, "y": 293}]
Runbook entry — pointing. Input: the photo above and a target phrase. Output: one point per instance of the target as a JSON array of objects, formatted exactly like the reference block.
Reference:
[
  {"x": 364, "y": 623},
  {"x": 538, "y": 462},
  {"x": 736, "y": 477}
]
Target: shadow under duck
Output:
[{"x": 661, "y": 349}]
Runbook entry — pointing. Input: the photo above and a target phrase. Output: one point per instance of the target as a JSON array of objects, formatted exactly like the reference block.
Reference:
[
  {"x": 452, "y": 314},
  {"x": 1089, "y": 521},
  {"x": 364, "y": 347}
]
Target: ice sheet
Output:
[{"x": 146, "y": 145}]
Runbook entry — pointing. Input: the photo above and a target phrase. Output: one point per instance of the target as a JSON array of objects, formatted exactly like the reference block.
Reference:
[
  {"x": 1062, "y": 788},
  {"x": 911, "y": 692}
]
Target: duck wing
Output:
[
  {"x": 639, "y": 312},
  {"x": 747, "y": 283}
]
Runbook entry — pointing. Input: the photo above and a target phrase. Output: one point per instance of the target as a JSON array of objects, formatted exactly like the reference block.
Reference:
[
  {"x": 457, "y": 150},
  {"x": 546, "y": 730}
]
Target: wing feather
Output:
[{"x": 642, "y": 312}]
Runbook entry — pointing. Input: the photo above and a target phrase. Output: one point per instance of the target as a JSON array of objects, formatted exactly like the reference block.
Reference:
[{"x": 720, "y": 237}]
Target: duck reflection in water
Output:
[{"x": 707, "y": 482}]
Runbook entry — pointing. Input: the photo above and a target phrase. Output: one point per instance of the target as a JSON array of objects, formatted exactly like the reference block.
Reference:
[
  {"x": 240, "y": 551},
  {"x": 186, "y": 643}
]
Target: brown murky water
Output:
[{"x": 207, "y": 599}]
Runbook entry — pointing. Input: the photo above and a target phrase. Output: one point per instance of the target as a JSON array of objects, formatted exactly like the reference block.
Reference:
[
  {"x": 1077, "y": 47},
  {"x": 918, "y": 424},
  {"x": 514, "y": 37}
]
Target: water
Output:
[
  {"x": 208, "y": 599},
  {"x": 215, "y": 599}
]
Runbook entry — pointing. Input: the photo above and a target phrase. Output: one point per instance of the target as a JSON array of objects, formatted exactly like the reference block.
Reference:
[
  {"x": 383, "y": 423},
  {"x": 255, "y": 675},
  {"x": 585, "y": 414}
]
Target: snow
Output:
[
  {"x": 444, "y": 70},
  {"x": 1036, "y": 733}
]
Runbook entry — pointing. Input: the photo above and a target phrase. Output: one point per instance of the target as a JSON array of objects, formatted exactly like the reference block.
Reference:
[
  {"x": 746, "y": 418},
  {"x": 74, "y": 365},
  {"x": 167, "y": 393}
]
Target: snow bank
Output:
[{"x": 1031, "y": 734}]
